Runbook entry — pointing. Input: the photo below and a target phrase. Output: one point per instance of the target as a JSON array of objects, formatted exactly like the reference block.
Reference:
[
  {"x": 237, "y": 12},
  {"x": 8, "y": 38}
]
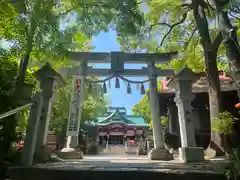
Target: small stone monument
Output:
[
  {"x": 48, "y": 79},
  {"x": 188, "y": 152}
]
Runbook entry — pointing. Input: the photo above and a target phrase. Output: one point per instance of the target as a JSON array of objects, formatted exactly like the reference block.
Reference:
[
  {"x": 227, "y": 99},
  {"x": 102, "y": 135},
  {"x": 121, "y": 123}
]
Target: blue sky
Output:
[{"x": 106, "y": 42}]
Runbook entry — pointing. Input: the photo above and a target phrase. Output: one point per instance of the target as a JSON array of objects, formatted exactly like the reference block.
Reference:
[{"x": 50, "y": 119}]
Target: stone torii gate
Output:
[{"x": 117, "y": 60}]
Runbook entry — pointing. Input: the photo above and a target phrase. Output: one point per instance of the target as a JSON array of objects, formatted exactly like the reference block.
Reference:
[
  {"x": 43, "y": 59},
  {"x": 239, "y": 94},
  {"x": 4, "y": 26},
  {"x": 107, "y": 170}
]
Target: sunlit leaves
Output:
[
  {"x": 223, "y": 123},
  {"x": 8, "y": 13},
  {"x": 142, "y": 108},
  {"x": 160, "y": 10}
]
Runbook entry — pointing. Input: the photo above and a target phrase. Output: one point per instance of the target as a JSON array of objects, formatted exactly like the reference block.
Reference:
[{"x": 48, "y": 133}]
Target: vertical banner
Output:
[{"x": 76, "y": 104}]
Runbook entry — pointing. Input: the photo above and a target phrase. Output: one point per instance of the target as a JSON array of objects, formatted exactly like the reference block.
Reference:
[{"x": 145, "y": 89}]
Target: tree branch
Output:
[
  {"x": 216, "y": 43},
  {"x": 157, "y": 24},
  {"x": 143, "y": 1},
  {"x": 66, "y": 12},
  {"x": 189, "y": 40},
  {"x": 232, "y": 15},
  {"x": 173, "y": 26},
  {"x": 186, "y": 5}
]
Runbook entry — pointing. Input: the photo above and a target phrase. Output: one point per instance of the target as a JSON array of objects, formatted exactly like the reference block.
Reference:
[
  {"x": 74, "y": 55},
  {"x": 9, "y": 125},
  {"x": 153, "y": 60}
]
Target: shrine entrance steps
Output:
[
  {"x": 120, "y": 168},
  {"x": 119, "y": 150}
]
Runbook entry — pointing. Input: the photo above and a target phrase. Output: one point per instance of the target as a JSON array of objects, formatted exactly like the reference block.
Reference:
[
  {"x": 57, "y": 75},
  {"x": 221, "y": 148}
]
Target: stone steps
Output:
[
  {"x": 115, "y": 149},
  {"x": 30, "y": 173}
]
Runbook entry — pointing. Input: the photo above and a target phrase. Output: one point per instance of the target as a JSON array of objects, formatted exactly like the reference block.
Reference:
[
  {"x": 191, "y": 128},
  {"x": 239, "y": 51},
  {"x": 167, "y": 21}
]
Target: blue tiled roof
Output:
[
  {"x": 136, "y": 119},
  {"x": 113, "y": 117}
]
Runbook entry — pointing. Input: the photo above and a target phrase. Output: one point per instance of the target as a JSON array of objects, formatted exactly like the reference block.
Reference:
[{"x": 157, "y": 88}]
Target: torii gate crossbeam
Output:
[{"x": 129, "y": 58}]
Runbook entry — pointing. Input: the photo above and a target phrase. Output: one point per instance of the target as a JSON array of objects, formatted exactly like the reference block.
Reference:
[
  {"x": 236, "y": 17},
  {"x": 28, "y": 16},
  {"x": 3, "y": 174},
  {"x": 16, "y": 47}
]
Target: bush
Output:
[
  {"x": 232, "y": 170},
  {"x": 223, "y": 123},
  {"x": 93, "y": 148}
]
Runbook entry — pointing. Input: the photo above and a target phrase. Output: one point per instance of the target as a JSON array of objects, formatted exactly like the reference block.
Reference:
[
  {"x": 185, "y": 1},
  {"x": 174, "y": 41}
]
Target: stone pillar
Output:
[
  {"x": 159, "y": 152},
  {"x": 148, "y": 145},
  {"x": 47, "y": 86},
  {"x": 75, "y": 113},
  {"x": 184, "y": 96},
  {"x": 173, "y": 125},
  {"x": 32, "y": 131},
  {"x": 48, "y": 78}
]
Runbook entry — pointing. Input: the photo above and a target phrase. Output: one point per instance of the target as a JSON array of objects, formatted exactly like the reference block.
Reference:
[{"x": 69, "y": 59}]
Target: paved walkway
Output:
[{"x": 133, "y": 162}]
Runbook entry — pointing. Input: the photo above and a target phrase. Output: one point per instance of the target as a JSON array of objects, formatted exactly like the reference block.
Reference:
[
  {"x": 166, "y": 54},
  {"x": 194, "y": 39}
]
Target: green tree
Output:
[
  {"x": 224, "y": 9},
  {"x": 8, "y": 70},
  {"x": 8, "y": 131},
  {"x": 34, "y": 25},
  {"x": 179, "y": 26},
  {"x": 142, "y": 109}
]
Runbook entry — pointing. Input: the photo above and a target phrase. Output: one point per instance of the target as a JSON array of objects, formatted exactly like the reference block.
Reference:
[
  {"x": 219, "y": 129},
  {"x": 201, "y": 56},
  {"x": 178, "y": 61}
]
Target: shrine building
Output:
[
  {"x": 200, "y": 106},
  {"x": 115, "y": 126}
]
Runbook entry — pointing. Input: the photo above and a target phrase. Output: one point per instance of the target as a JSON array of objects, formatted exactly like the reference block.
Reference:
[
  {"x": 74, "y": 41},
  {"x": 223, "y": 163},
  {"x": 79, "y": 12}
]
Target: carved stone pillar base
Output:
[
  {"x": 70, "y": 153},
  {"x": 160, "y": 154},
  {"x": 191, "y": 154}
]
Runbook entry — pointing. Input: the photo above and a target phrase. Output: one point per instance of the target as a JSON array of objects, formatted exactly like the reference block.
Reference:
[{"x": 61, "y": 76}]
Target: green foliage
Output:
[
  {"x": 8, "y": 73},
  {"x": 142, "y": 108},
  {"x": 232, "y": 170},
  {"x": 164, "y": 120},
  {"x": 93, "y": 106},
  {"x": 223, "y": 123},
  {"x": 10, "y": 129},
  {"x": 166, "y": 29},
  {"x": 42, "y": 28}
]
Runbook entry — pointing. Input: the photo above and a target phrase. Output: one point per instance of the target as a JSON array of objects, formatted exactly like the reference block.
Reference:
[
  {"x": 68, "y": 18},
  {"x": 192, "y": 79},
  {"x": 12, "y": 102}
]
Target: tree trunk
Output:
[
  {"x": 230, "y": 41},
  {"x": 210, "y": 55},
  {"x": 216, "y": 140},
  {"x": 22, "y": 72},
  {"x": 23, "y": 67}
]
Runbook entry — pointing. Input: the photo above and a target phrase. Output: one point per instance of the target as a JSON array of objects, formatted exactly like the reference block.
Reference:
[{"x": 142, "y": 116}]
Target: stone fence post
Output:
[{"x": 183, "y": 81}]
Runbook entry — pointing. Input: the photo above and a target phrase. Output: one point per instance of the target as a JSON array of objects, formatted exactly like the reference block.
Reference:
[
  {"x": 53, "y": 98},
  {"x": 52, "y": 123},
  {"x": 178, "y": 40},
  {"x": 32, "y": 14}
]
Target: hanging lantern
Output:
[
  {"x": 129, "y": 90},
  {"x": 104, "y": 88},
  {"x": 117, "y": 84},
  {"x": 142, "y": 89},
  {"x": 90, "y": 88},
  {"x": 109, "y": 84}
]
